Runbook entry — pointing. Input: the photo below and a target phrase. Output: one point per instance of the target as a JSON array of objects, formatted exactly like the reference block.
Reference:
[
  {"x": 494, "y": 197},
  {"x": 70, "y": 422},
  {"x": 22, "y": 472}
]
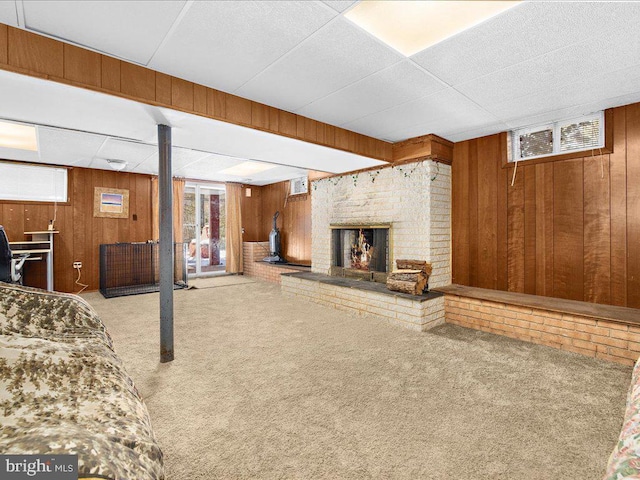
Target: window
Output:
[
  {"x": 557, "y": 138},
  {"x": 33, "y": 183}
]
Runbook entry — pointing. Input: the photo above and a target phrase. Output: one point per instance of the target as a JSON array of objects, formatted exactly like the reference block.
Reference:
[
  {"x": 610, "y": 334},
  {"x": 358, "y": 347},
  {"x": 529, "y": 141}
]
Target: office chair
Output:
[{"x": 10, "y": 268}]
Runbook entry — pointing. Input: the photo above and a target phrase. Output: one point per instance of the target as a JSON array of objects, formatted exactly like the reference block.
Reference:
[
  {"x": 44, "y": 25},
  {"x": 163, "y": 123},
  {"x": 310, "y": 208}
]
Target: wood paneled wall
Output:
[
  {"x": 567, "y": 228},
  {"x": 294, "y": 220},
  {"x": 252, "y": 215},
  {"x": 30, "y": 54},
  {"x": 80, "y": 233}
]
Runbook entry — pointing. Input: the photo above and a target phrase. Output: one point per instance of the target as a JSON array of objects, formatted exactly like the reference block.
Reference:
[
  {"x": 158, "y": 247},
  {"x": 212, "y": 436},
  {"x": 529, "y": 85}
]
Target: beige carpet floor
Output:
[
  {"x": 219, "y": 281},
  {"x": 265, "y": 386}
]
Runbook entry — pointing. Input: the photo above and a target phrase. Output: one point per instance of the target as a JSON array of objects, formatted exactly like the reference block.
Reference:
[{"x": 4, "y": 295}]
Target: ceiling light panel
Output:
[
  {"x": 131, "y": 30},
  {"x": 8, "y": 14},
  {"x": 18, "y": 136},
  {"x": 230, "y": 42},
  {"x": 19, "y": 155},
  {"x": 392, "y": 86},
  {"x": 522, "y": 33},
  {"x": 411, "y": 26},
  {"x": 335, "y": 57},
  {"x": 246, "y": 169}
]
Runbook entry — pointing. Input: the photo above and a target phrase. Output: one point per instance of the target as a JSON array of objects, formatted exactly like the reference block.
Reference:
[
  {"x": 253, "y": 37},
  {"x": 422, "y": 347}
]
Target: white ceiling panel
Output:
[
  {"x": 476, "y": 132},
  {"x": 230, "y": 42},
  {"x": 520, "y": 34},
  {"x": 180, "y": 158},
  {"x": 131, "y": 152},
  {"x": 338, "y": 55},
  {"x": 392, "y": 86},
  {"x": 8, "y": 13},
  {"x": 67, "y": 147},
  {"x": 207, "y": 169},
  {"x": 339, "y": 5},
  {"x": 574, "y": 111},
  {"x": 444, "y": 110},
  {"x": 550, "y": 72},
  {"x": 606, "y": 85},
  {"x": 132, "y": 30}
]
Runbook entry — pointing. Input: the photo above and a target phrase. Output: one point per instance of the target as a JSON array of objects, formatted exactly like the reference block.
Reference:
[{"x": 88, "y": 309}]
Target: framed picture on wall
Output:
[{"x": 110, "y": 203}]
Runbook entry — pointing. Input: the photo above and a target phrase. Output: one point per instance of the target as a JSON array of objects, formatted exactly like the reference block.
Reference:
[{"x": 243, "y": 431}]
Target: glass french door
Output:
[{"x": 203, "y": 228}]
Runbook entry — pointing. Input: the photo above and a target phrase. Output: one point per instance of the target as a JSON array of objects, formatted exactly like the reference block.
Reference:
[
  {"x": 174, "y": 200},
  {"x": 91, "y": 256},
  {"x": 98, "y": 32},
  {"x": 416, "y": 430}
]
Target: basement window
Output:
[
  {"x": 32, "y": 183},
  {"x": 558, "y": 138}
]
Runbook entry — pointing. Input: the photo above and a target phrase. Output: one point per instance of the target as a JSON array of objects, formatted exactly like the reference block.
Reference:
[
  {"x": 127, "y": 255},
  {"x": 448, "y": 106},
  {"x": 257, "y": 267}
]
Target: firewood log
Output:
[
  {"x": 406, "y": 275},
  {"x": 401, "y": 286},
  {"x": 414, "y": 265}
]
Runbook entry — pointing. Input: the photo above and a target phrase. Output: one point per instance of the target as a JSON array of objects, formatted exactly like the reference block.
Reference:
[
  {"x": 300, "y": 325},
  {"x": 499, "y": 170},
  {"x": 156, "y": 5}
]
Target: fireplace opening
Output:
[{"x": 360, "y": 251}]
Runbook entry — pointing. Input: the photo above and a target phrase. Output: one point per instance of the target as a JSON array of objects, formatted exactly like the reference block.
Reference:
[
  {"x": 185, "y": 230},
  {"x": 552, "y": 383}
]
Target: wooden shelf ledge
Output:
[{"x": 628, "y": 316}]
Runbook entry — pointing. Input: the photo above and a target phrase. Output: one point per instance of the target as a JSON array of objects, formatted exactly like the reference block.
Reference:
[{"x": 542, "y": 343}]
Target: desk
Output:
[{"x": 41, "y": 243}]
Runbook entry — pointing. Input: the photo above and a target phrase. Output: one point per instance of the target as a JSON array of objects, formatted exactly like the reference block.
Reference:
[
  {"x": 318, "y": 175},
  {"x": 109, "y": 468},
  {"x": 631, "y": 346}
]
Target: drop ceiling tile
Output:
[
  {"x": 224, "y": 44},
  {"x": 209, "y": 169},
  {"x": 547, "y": 73},
  {"x": 523, "y": 33},
  {"x": 130, "y": 30},
  {"x": 180, "y": 158},
  {"x": 475, "y": 133},
  {"x": 131, "y": 152},
  {"x": 67, "y": 147},
  {"x": 608, "y": 84},
  {"x": 8, "y": 13},
  {"x": 339, "y": 5},
  {"x": 442, "y": 110},
  {"x": 338, "y": 55},
  {"x": 392, "y": 86}
]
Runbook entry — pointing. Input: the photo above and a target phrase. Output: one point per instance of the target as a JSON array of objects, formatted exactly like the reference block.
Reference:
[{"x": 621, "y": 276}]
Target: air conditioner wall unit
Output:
[{"x": 299, "y": 186}]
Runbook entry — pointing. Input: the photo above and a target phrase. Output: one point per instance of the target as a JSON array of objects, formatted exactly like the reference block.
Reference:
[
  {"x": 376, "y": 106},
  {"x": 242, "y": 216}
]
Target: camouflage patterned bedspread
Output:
[{"x": 64, "y": 390}]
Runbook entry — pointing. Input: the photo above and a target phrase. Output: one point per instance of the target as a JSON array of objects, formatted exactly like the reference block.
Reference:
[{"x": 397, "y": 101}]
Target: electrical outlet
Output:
[{"x": 77, "y": 264}]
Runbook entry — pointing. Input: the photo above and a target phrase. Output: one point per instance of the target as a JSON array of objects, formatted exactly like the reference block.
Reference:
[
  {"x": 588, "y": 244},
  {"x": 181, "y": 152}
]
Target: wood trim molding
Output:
[
  {"x": 421, "y": 158},
  {"x": 596, "y": 152},
  {"x": 38, "y": 56},
  {"x": 425, "y": 147}
]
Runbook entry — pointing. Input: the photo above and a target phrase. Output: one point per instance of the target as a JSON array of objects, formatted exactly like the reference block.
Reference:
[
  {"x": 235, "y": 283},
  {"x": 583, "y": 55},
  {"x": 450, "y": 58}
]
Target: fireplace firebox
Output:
[{"x": 360, "y": 251}]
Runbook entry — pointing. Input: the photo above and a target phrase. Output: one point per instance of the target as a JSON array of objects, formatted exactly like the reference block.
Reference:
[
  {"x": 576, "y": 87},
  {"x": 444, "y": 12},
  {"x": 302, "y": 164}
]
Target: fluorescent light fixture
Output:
[
  {"x": 16, "y": 135},
  {"x": 245, "y": 169},
  {"x": 117, "y": 165},
  {"x": 412, "y": 26}
]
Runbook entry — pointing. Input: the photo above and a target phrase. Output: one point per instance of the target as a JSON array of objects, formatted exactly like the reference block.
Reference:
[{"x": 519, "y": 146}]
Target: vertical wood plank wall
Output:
[
  {"x": 80, "y": 233},
  {"x": 567, "y": 229},
  {"x": 294, "y": 221}
]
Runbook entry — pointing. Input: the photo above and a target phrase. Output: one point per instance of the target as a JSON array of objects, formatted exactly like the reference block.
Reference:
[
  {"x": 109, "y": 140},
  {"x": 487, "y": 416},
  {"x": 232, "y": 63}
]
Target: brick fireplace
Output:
[
  {"x": 414, "y": 198},
  {"x": 411, "y": 203}
]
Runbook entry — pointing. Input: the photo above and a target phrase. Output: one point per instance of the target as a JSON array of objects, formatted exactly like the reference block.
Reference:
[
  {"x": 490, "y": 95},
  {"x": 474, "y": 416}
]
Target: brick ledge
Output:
[{"x": 623, "y": 315}]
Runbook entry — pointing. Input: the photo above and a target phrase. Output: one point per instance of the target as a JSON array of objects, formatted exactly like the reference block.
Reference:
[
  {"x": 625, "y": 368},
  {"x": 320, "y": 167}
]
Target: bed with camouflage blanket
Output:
[{"x": 63, "y": 390}]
